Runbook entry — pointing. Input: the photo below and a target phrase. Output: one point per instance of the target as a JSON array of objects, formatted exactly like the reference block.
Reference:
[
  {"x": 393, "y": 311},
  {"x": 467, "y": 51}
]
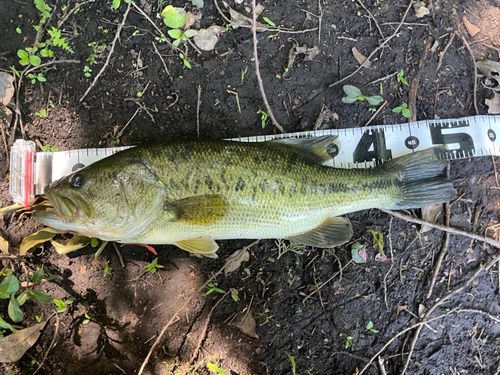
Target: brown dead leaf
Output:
[
  {"x": 399, "y": 309},
  {"x": 421, "y": 310},
  {"x": 471, "y": 28},
  {"x": 190, "y": 20},
  {"x": 238, "y": 19},
  {"x": 420, "y": 10},
  {"x": 470, "y": 255},
  {"x": 13, "y": 347},
  {"x": 4, "y": 245},
  {"x": 6, "y": 88},
  {"x": 206, "y": 39},
  {"x": 431, "y": 214},
  {"x": 247, "y": 325},
  {"x": 493, "y": 104},
  {"x": 310, "y": 53},
  {"x": 234, "y": 261},
  {"x": 360, "y": 58}
]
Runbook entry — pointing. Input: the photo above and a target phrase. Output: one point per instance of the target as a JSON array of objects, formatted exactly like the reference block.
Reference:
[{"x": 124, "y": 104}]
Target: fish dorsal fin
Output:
[
  {"x": 333, "y": 231},
  {"x": 203, "y": 245},
  {"x": 198, "y": 210},
  {"x": 319, "y": 149}
]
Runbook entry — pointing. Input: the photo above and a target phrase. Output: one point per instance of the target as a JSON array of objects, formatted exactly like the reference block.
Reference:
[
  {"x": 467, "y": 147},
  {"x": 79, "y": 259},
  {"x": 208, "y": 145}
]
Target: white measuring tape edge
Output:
[{"x": 359, "y": 148}]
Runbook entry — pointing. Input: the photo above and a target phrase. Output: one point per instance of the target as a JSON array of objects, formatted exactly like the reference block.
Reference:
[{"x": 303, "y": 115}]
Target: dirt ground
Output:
[{"x": 116, "y": 316}]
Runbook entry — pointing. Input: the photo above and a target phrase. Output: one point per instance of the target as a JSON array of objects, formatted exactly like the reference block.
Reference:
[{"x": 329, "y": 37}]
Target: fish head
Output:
[{"x": 110, "y": 199}]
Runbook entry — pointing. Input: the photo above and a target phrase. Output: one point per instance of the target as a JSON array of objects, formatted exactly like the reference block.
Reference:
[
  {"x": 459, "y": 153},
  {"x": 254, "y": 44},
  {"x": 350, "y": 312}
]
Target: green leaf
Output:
[
  {"x": 176, "y": 42},
  {"x": 94, "y": 242},
  {"x": 14, "y": 310},
  {"x": 38, "y": 275},
  {"x": 374, "y": 100},
  {"x": 18, "y": 30},
  {"x": 22, "y": 54},
  {"x": 115, "y": 4},
  {"x": 397, "y": 110},
  {"x": 6, "y": 325},
  {"x": 356, "y": 248},
  {"x": 349, "y": 99},
  {"x": 9, "y": 285},
  {"x": 22, "y": 298},
  {"x": 198, "y": 3},
  {"x": 61, "y": 306},
  {"x": 188, "y": 65},
  {"x": 190, "y": 33},
  {"x": 6, "y": 272},
  {"x": 35, "y": 60},
  {"x": 369, "y": 325},
  {"x": 174, "y": 33},
  {"x": 352, "y": 91},
  {"x": 294, "y": 369},
  {"x": 70, "y": 300},
  {"x": 268, "y": 21},
  {"x": 36, "y": 238},
  {"x": 174, "y": 17},
  {"x": 40, "y": 296},
  {"x": 41, "y": 78},
  {"x": 406, "y": 112}
]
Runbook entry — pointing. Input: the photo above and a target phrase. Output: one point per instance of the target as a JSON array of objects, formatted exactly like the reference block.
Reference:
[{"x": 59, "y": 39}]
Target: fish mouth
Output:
[{"x": 67, "y": 208}]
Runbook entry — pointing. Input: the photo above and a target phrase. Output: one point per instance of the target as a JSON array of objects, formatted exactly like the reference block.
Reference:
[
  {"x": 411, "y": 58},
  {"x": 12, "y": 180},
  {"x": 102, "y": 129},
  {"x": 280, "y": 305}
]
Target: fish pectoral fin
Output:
[
  {"x": 198, "y": 210},
  {"x": 333, "y": 231},
  {"x": 205, "y": 246},
  {"x": 319, "y": 149}
]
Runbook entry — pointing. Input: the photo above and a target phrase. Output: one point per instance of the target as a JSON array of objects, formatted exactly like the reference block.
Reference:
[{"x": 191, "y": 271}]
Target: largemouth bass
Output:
[{"x": 191, "y": 193}]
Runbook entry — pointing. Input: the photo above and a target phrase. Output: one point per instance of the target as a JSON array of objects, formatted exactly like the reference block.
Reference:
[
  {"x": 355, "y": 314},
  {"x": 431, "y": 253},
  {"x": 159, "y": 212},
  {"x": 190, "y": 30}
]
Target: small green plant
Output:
[
  {"x": 28, "y": 57},
  {"x": 18, "y": 30},
  {"x": 44, "y": 11},
  {"x": 180, "y": 36},
  {"x": 243, "y": 72},
  {"x": 401, "y": 78},
  {"x": 35, "y": 77},
  {"x": 215, "y": 369},
  {"x": 139, "y": 94},
  {"x": 188, "y": 65},
  {"x": 269, "y": 22},
  {"x": 294, "y": 368},
  {"x": 369, "y": 326},
  {"x": 61, "y": 305},
  {"x": 97, "y": 50},
  {"x": 86, "y": 71},
  {"x": 47, "y": 148},
  {"x": 212, "y": 288},
  {"x": 107, "y": 268},
  {"x": 41, "y": 113},
  {"x": 403, "y": 108},
  {"x": 174, "y": 17},
  {"x": 263, "y": 117},
  {"x": 160, "y": 39},
  {"x": 153, "y": 266},
  {"x": 10, "y": 286},
  {"x": 348, "y": 341},
  {"x": 353, "y": 94},
  {"x": 56, "y": 40}
]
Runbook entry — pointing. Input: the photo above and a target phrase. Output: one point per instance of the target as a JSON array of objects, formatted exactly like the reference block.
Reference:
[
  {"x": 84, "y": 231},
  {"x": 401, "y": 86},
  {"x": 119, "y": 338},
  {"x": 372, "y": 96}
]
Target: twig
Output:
[
  {"x": 451, "y": 230},
  {"x": 117, "y": 36},
  {"x": 441, "y": 56},
  {"x": 72, "y": 11},
  {"x": 475, "y": 72},
  {"x": 444, "y": 246},
  {"x": 381, "y": 365},
  {"x": 384, "y": 78},
  {"x": 119, "y": 255},
  {"x": 373, "y": 18},
  {"x": 392, "y": 264},
  {"x": 204, "y": 331},
  {"x": 198, "y": 112},
  {"x": 412, "y": 346},
  {"x": 161, "y": 58},
  {"x": 377, "y": 112},
  {"x": 320, "y": 18},
  {"x": 51, "y": 344},
  {"x": 412, "y": 92},
  {"x": 129, "y": 121},
  {"x": 495, "y": 169},
  {"x": 257, "y": 72},
  {"x": 401, "y": 333},
  {"x": 376, "y": 49},
  {"x": 172, "y": 319}
]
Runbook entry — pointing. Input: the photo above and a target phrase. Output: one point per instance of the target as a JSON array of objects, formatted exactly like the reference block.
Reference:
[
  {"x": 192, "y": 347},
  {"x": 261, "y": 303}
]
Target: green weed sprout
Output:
[
  {"x": 153, "y": 266},
  {"x": 180, "y": 36},
  {"x": 292, "y": 360},
  {"x": 215, "y": 369},
  {"x": 212, "y": 288},
  {"x": 369, "y": 326},
  {"x": 353, "y": 94},
  {"x": 263, "y": 117},
  {"x": 403, "y": 108},
  {"x": 35, "y": 77},
  {"x": 400, "y": 77}
]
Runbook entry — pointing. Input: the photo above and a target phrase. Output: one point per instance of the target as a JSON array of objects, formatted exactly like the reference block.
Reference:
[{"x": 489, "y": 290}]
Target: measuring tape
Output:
[{"x": 363, "y": 147}]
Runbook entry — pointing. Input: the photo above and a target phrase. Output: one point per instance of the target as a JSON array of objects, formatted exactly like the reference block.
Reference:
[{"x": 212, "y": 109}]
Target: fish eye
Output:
[{"x": 76, "y": 181}]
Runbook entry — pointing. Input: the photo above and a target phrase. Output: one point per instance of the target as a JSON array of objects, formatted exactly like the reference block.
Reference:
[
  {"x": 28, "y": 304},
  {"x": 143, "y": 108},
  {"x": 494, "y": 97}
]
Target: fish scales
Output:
[{"x": 189, "y": 193}]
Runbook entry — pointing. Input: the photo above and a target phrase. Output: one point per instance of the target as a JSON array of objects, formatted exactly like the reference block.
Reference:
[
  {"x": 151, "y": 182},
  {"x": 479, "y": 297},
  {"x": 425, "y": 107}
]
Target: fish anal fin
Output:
[
  {"x": 319, "y": 149},
  {"x": 198, "y": 210},
  {"x": 205, "y": 246},
  {"x": 333, "y": 231}
]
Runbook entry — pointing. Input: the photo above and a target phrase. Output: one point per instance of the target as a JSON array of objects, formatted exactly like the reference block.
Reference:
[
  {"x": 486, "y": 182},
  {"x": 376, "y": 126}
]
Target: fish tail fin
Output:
[{"x": 419, "y": 175}]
